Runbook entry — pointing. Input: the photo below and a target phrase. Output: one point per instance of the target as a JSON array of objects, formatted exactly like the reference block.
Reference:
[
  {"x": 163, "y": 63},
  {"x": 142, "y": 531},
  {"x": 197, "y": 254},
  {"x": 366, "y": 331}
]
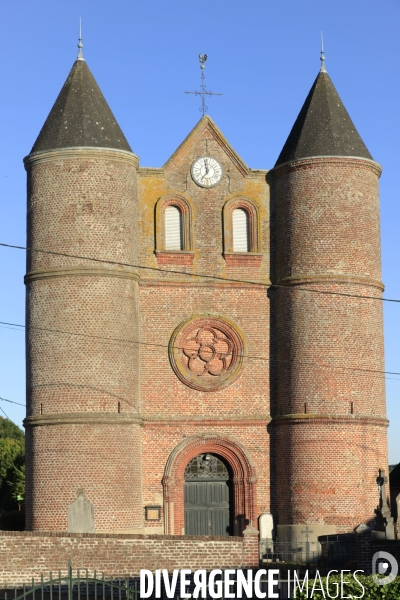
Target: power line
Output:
[
  {"x": 12, "y": 402},
  {"x": 201, "y": 275},
  {"x": 152, "y": 344},
  {"x": 12, "y": 328},
  {"x": 214, "y": 277},
  {"x": 5, "y": 413}
]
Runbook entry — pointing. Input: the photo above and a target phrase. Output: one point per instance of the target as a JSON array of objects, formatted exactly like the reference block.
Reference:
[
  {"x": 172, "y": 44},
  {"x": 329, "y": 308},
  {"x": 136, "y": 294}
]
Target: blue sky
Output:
[{"x": 263, "y": 58}]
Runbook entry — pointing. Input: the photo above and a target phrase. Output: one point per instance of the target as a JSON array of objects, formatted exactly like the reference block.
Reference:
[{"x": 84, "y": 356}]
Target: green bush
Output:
[
  {"x": 12, "y": 467},
  {"x": 350, "y": 590}
]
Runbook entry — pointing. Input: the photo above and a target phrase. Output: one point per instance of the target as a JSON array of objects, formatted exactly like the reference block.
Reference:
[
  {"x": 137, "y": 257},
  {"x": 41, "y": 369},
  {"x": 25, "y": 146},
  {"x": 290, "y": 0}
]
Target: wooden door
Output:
[{"x": 207, "y": 504}]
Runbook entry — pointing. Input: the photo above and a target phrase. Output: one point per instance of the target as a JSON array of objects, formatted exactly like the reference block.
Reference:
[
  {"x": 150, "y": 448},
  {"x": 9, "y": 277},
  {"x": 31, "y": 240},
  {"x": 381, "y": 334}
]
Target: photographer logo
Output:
[{"x": 384, "y": 563}]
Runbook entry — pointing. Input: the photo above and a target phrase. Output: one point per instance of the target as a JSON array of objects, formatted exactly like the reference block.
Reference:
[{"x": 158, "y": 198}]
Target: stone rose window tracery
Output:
[{"x": 206, "y": 353}]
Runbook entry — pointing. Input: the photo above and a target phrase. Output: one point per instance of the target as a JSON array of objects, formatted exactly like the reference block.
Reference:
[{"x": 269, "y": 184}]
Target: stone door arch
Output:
[{"x": 244, "y": 481}]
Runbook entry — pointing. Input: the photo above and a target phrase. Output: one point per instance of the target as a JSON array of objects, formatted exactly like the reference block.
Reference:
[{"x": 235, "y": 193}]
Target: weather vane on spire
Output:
[
  {"x": 203, "y": 92},
  {"x": 80, "y": 45},
  {"x": 322, "y": 59}
]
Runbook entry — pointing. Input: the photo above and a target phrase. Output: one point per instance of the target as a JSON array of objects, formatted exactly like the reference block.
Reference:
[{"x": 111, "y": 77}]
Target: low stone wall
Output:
[{"x": 24, "y": 555}]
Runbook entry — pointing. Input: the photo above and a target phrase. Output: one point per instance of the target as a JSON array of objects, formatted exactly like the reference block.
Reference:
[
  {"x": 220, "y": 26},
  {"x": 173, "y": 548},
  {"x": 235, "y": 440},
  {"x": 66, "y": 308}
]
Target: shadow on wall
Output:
[{"x": 12, "y": 520}]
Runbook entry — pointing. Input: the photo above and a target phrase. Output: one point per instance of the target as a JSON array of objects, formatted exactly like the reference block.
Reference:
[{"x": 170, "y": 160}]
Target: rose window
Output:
[{"x": 206, "y": 353}]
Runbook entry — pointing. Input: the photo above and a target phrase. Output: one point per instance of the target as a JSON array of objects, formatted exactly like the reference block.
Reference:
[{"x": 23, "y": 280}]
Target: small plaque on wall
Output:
[{"x": 153, "y": 513}]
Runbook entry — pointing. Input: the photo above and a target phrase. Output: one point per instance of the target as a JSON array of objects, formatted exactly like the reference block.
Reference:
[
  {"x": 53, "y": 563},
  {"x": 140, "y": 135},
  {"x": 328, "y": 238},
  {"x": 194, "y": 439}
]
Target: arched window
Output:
[
  {"x": 173, "y": 228},
  {"x": 242, "y": 243},
  {"x": 173, "y": 224},
  {"x": 240, "y": 230}
]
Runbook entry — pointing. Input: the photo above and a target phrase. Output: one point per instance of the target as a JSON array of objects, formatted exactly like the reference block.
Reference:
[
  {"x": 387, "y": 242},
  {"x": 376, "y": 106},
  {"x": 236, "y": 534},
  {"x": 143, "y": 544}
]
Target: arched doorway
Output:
[
  {"x": 208, "y": 496},
  {"x": 243, "y": 481}
]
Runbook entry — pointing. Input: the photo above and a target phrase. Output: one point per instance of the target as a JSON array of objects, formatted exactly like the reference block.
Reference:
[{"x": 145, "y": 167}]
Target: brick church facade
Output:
[{"x": 203, "y": 342}]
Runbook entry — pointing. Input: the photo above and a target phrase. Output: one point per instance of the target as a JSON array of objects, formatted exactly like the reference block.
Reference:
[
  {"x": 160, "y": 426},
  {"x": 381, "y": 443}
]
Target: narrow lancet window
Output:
[
  {"x": 173, "y": 228},
  {"x": 240, "y": 230}
]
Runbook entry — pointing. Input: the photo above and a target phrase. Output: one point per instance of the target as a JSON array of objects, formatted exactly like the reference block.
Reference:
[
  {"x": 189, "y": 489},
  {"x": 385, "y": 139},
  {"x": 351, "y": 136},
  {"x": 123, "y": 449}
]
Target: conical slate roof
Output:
[
  {"x": 323, "y": 127},
  {"x": 80, "y": 116}
]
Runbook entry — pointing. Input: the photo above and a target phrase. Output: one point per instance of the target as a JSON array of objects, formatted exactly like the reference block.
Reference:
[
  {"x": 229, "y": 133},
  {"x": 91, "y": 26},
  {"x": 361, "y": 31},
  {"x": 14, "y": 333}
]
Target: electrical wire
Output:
[
  {"x": 249, "y": 356},
  {"x": 5, "y": 414},
  {"x": 12, "y": 402},
  {"x": 201, "y": 275},
  {"x": 214, "y": 277}
]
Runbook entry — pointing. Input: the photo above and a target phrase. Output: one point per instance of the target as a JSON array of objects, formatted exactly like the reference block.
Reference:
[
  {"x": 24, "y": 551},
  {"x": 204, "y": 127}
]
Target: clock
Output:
[{"x": 206, "y": 171}]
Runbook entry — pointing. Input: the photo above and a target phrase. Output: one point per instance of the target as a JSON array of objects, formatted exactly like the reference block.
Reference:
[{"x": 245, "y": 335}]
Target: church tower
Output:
[
  {"x": 329, "y": 419},
  {"x": 82, "y": 425},
  {"x": 257, "y": 314}
]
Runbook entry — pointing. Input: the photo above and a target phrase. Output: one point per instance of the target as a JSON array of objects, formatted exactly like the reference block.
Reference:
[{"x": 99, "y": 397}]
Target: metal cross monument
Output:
[{"x": 203, "y": 92}]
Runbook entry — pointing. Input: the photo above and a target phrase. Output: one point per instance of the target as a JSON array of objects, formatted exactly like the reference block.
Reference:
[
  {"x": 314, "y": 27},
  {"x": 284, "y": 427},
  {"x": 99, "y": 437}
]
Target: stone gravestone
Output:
[
  {"x": 266, "y": 527},
  {"x": 81, "y": 515},
  {"x": 267, "y": 536}
]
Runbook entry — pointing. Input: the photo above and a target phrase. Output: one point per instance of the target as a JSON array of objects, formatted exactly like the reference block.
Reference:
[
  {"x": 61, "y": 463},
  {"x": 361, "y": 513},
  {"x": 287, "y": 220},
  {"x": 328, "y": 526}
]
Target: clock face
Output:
[{"x": 206, "y": 172}]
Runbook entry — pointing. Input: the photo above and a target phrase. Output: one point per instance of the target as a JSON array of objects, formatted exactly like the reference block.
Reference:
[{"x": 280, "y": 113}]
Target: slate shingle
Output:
[
  {"x": 323, "y": 127},
  {"x": 80, "y": 116}
]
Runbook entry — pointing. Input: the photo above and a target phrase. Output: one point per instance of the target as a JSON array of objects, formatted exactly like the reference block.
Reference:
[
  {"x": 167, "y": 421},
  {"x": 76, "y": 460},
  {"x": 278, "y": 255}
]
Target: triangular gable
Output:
[{"x": 207, "y": 123}]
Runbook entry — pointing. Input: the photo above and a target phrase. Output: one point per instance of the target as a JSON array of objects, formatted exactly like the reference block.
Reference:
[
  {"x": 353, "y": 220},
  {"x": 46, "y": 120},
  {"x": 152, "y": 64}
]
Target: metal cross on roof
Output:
[
  {"x": 80, "y": 45},
  {"x": 203, "y": 92},
  {"x": 322, "y": 59}
]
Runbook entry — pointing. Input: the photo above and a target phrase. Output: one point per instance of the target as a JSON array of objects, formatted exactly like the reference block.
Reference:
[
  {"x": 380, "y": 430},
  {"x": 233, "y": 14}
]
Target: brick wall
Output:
[
  {"x": 29, "y": 554},
  {"x": 179, "y": 416},
  {"x": 83, "y": 424},
  {"x": 329, "y": 417}
]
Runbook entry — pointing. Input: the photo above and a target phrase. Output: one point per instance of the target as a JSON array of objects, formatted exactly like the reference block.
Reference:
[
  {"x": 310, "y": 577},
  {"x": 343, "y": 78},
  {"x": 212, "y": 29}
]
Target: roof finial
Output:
[
  {"x": 322, "y": 59},
  {"x": 204, "y": 91},
  {"x": 80, "y": 45}
]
